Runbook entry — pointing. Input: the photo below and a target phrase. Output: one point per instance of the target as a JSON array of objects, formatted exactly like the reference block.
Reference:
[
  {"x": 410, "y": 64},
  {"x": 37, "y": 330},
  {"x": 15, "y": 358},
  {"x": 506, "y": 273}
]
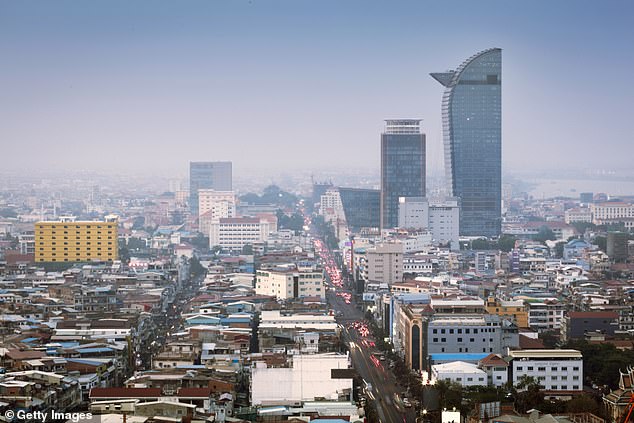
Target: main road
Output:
[{"x": 384, "y": 390}]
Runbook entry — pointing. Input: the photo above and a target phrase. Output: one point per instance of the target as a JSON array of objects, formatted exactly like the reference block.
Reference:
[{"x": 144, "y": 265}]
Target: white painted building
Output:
[
  {"x": 310, "y": 377},
  {"x": 234, "y": 233},
  {"x": 466, "y": 374},
  {"x": 270, "y": 319},
  {"x": 331, "y": 207},
  {"x": 291, "y": 283},
  {"x": 555, "y": 370},
  {"x": 578, "y": 214},
  {"x": 611, "y": 212},
  {"x": 214, "y": 205},
  {"x": 441, "y": 218}
]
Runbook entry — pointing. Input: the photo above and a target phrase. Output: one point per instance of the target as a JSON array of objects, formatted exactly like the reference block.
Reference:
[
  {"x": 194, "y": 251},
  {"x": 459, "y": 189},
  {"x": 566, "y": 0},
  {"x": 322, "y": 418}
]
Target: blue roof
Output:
[
  {"x": 85, "y": 361},
  {"x": 191, "y": 366},
  {"x": 29, "y": 340},
  {"x": 93, "y": 350},
  {"x": 458, "y": 356}
]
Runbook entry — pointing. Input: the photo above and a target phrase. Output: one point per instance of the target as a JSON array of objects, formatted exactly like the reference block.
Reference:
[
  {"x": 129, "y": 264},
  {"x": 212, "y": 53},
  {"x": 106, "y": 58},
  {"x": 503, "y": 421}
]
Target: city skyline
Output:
[{"x": 244, "y": 81}]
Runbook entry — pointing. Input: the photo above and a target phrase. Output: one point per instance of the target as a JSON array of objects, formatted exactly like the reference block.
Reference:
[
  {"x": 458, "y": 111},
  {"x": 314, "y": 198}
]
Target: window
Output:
[
  {"x": 529, "y": 368},
  {"x": 541, "y": 369},
  {"x": 575, "y": 369},
  {"x": 435, "y": 339},
  {"x": 443, "y": 339},
  {"x": 459, "y": 339},
  {"x": 520, "y": 368}
]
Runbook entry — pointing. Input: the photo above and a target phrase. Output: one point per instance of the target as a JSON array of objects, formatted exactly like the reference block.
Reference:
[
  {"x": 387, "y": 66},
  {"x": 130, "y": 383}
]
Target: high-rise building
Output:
[
  {"x": 361, "y": 207},
  {"x": 208, "y": 175},
  {"x": 472, "y": 134},
  {"x": 68, "y": 240},
  {"x": 402, "y": 166}
]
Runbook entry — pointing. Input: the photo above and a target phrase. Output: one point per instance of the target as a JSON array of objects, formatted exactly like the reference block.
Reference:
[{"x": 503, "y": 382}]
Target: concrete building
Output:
[
  {"x": 611, "y": 212},
  {"x": 68, "y": 240},
  {"x": 234, "y": 233},
  {"x": 402, "y": 166},
  {"x": 465, "y": 374},
  {"x": 514, "y": 310},
  {"x": 385, "y": 263},
  {"x": 578, "y": 324},
  {"x": 616, "y": 244},
  {"x": 496, "y": 369},
  {"x": 330, "y": 206},
  {"x": 442, "y": 219},
  {"x": 545, "y": 314},
  {"x": 214, "y": 205},
  {"x": 208, "y": 175},
  {"x": 464, "y": 334},
  {"x": 578, "y": 214},
  {"x": 309, "y": 377},
  {"x": 555, "y": 370},
  {"x": 290, "y": 283}
]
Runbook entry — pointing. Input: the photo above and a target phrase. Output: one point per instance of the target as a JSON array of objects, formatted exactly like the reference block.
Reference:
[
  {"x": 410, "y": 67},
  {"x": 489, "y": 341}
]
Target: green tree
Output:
[
  {"x": 247, "y": 250},
  {"x": 506, "y": 243},
  {"x": 528, "y": 394},
  {"x": 559, "y": 249},
  {"x": 601, "y": 242},
  {"x": 583, "y": 404},
  {"x": 545, "y": 234}
]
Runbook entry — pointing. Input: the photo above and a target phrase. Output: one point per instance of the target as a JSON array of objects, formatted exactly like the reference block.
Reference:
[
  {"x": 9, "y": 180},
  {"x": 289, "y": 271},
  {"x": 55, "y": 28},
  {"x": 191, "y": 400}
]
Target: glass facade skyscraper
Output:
[
  {"x": 208, "y": 175},
  {"x": 472, "y": 135},
  {"x": 402, "y": 166},
  {"x": 361, "y": 207}
]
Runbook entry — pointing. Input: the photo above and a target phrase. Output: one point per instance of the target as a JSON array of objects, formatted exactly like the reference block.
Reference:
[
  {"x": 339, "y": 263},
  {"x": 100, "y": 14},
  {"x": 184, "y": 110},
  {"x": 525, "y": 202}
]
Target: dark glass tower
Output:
[
  {"x": 208, "y": 175},
  {"x": 361, "y": 207},
  {"x": 472, "y": 134},
  {"x": 402, "y": 166}
]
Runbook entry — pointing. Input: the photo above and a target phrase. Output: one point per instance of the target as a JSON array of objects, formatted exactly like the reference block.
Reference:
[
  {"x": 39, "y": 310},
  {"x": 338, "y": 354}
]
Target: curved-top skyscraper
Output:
[{"x": 472, "y": 134}]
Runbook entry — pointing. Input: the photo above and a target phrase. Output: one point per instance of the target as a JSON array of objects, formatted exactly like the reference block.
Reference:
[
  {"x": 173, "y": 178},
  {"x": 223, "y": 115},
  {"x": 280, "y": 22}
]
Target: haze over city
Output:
[{"x": 285, "y": 85}]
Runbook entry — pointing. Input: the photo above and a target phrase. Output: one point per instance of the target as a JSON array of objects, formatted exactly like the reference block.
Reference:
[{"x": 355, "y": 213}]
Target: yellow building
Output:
[
  {"x": 515, "y": 309},
  {"x": 68, "y": 240}
]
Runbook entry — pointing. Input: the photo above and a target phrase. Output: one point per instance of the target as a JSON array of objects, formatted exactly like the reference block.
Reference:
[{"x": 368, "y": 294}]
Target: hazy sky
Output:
[{"x": 283, "y": 84}]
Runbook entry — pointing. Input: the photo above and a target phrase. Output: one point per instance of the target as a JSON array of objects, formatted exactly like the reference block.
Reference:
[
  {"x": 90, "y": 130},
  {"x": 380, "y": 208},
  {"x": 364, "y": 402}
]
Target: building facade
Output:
[
  {"x": 208, "y": 175},
  {"x": 214, "y": 205},
  {"x": 402, "y": 166},
  {"x": 292, "y": 283},
  {"x": 442, "y": 219},
  {"x": 555, "y": 370},
  {"x": 472, "y": 134},
  {"x": 68, "y": 240},
  {"x": 361, "y": 207},
  {"x": 234, "y": 233},
  {"x": 385, "y": 263}
]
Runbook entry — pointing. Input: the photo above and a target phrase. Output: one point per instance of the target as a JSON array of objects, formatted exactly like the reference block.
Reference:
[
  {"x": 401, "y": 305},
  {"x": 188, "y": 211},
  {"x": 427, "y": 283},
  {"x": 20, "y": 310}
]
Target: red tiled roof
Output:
[
  {"x": 195, "y": 392},
  {"x": 125, "y": 392},
  {"x": 527, "y": 343},
  {"x": 493, "y": 360},
  {"x": 593, "y": 315},
  {"x": 24, "y": 355}
]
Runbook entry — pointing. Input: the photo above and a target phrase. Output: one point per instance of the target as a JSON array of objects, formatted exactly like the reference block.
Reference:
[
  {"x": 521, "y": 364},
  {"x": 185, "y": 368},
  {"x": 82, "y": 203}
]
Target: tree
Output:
[
  {"x": 528, "y": 394},
  {"x": 506, "y": 243},
  {"x": 601, "y": 242},
  {"x": 583, "y": 404},
  {"x": 8, "y": 213},
  {"x": 216, "y": 249},
  {"x": 559, "y": 249},
  {"x": 545, "y": 234},
  {"x": 197, "y": 269},
  {"x": 247, "y": 250}
]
